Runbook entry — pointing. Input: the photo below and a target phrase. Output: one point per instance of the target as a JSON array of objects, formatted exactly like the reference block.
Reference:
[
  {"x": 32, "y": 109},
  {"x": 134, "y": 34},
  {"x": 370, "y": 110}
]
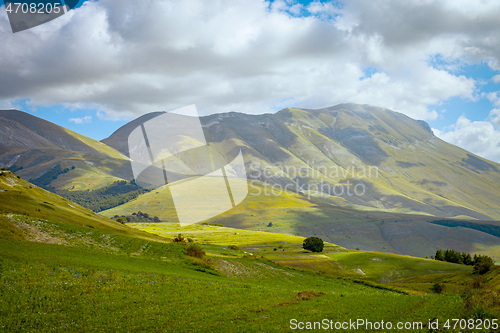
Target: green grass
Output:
[
  {"x": 22, "y": 198},
  {"x": 386, "y": 268},
  {"x": 63, "y": 268},
  {"x": 47, "y": 287}
]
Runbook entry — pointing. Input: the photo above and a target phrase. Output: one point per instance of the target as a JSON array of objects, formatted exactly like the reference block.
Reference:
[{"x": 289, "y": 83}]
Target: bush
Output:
[
  {"x": 195, "y": 251},
  {"x": 122, "y": 220},
  {"x": 314, "y": 244},
  {"x": 234, "y": 247},
  {"x": 438, "y": 288},
  {"x": 179, "y": 239},
  {"x": 213, "y": 224},
  {"x": 482, "y": 265}
]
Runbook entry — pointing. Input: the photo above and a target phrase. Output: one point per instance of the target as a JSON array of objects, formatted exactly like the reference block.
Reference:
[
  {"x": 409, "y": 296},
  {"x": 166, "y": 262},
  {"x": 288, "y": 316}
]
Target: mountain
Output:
[
  {"x": 36, "y": 148},
  {"x": 395, "y": 162},
  {"x": 119, "y": 139}
]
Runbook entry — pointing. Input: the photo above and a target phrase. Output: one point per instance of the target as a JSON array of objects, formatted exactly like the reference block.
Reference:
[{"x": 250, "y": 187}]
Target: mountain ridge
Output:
[{"x": 417, "y": 172}]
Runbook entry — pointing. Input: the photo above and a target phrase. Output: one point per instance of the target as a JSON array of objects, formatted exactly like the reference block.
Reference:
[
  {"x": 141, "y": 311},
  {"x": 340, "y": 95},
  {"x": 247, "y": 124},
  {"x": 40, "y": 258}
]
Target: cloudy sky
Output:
[{"x": 109, "y": 61}]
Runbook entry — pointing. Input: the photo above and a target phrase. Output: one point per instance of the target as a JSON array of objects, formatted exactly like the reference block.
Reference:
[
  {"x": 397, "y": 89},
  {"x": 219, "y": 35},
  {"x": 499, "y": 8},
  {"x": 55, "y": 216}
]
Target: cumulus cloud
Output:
[
  {"x": 480, "y": 137},
  {"x": 125, "y": 58},
  {"x": 81, "y": 120}
]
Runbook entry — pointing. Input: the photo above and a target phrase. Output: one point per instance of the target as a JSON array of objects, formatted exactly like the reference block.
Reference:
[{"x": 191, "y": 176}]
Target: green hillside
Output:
[
  {"x": 294, "y": 214},
  {"x": 23, "y": 205},
  {"x": 65, "y": 268}
]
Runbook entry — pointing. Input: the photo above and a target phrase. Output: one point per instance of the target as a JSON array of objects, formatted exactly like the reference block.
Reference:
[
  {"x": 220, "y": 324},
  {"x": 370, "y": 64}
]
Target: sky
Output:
[{"x": 109, "y": 61}]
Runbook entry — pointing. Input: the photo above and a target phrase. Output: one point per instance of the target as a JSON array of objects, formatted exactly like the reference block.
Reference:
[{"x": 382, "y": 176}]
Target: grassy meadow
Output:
[{"x": 64, "y": 268}]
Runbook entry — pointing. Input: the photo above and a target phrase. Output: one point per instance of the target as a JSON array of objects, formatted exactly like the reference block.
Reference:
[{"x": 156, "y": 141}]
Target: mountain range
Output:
[
  {"x": 401, "y": 164},
  {"x": 408, "y": 177}
]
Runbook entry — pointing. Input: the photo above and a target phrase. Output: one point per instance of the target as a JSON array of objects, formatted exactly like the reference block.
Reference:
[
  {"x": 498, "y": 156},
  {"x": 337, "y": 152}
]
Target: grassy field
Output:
[
  {"x": 50, "y": 287},
  {"x": 293, "y": 214},
  {"x": 64, "y": 268}
]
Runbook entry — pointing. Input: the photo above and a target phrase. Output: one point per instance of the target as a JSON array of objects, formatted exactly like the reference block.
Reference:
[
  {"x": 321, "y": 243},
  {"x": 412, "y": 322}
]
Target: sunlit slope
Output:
[
  {"x": 19, "y": 199},
  {"x": 293, "y": 214},
  {"x": 37, "y": 132},
  {"x": 400, "y": 164},
  {"x": 287, "y": 250},
  {"x": 34, "y": 147},
  {"x": 417, "y": 172}
]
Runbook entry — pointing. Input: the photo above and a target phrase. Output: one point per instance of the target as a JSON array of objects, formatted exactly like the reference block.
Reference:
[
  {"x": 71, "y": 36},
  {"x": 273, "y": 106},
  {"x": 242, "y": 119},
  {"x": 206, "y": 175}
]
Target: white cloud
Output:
[
  {"x": 494, "y": 97},
  {"x": 496, "y": 78},
  {"x": 495, "y": 116},
  {"x": 82, "y": 120},
  {"x": 479, "y": 137},
  {"x": 124, "y": 58}
]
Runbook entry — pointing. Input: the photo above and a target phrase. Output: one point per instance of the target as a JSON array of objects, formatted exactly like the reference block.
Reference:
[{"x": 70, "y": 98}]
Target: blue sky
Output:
[{"x": 109, "y": 61}]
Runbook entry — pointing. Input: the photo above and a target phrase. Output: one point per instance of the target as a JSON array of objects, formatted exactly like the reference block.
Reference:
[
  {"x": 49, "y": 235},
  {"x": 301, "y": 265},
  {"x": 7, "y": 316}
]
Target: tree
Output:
[
  {"x": 122, "y": 220},
  {"x": 439, "y": 255},
  {"x": 314, "y": 244},
  {"x": 467, "y": 259},
  {"x": 482, "y": 265}
]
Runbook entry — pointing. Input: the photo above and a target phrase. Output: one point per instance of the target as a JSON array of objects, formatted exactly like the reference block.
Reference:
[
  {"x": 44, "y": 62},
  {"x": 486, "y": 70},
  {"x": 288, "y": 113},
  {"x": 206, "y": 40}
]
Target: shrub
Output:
[
  {"x": 213, "y": 224},
  {"x": 438, "y": 288},
  {"x": 234, "y": 247},
  {"x": 179, "y": 239},
  {"x": 308, "y": 294},
  {"x": 478, "y": 280},
  {"x": 122, "y": 220},
  {"x": 195, "y": 251},
  {"x": 482, "y": 265},
  {"x": 270, "y": 224},
  {"x": 314, "y": 244}
]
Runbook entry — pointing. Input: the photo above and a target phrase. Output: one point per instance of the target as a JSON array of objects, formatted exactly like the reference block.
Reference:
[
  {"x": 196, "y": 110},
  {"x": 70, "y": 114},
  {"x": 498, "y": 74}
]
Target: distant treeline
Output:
[
  {"x": 455, "y": 257},
  {"x": 45, "y": 179},
  {"x": 114, "y": 195},
  {"x": 458, "y": 257},
  {"x": 136, "y": 217},
  {"x": 486, "y": 228}
]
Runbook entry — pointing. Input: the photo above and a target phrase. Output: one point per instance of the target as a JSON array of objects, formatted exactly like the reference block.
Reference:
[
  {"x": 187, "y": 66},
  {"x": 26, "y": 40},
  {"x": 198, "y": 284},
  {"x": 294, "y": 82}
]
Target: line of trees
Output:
[
  {"x": 487, "y": 228},
  {"x": 482, "y": 263},
  {"x": 136, "y": 217},
  {"x": 101, "y": 199}
]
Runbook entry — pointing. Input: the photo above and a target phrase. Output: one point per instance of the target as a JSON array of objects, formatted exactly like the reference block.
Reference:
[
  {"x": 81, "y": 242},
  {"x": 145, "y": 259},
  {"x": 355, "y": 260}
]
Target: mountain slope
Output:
[
  {"x": 395, "y": 162},
  {"x": 19, "y": 200},
  {"x": 35, "y": 147},
  {"x": 53, "y": 134},
  {"x": 294, "y": 214}
]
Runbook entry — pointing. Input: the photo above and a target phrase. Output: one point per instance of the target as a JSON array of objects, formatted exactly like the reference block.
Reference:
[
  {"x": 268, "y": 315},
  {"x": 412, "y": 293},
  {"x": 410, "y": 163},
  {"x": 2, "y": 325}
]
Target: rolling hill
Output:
[{"x": 24, "y": 207}]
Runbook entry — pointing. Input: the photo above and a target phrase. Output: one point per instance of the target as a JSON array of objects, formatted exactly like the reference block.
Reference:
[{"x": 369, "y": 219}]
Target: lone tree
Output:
[
  {"x": 314, "y": 244},
  {"x": 482, "y": 265}
]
